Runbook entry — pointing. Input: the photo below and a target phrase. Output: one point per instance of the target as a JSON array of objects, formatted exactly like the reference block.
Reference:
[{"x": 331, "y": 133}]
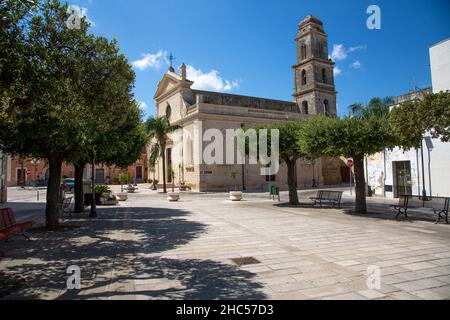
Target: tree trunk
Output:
[
  {"x": 79, "y": 194},
  {"x": 163, "y": 148},
  {"x": 292, "y": 181},
  {"x": 360, "y": 188},
  {"x": 53, "y": 194}
]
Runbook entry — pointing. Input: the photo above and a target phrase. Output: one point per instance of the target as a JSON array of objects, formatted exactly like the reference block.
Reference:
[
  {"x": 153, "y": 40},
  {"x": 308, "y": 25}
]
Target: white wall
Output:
[
  {"x": 437, "y": 168},
  {"x": 439, "y": 161},
  {"x": 440, "y": 66}
]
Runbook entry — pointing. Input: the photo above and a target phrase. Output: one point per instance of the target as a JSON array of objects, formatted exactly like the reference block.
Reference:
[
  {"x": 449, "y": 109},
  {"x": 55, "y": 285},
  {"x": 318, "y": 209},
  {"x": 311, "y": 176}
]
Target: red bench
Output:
[{"x": 9, "y": 227}]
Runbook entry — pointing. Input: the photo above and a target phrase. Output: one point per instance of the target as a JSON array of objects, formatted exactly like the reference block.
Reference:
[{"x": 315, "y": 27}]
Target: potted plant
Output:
[
  {"x": 172, "y": 196},
  {"x": 183, "y": 186},
  {"x": 101, "y": 192},
  {"x": 235, "y": 195},
  {"x": 123, "y": 178}
]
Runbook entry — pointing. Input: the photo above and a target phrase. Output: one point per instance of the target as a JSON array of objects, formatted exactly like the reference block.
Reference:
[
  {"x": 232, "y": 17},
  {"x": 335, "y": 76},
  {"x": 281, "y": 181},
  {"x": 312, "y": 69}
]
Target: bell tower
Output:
[{"x": 314, "y": 79}]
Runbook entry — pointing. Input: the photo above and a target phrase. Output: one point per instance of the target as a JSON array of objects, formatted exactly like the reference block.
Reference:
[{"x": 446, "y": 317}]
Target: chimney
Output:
[{"x": 183, "y": 72}]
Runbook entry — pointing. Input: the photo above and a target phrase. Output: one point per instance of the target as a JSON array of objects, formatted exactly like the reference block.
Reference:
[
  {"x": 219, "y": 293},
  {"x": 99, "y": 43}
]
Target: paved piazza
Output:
[{"x": 149, "y": 248}]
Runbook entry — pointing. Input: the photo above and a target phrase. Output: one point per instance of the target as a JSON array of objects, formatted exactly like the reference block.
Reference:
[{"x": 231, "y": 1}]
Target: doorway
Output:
[
  {"x": 100, "y": 176},
  {"x": 139, "y": 174},
  {"x": 21, "y": 175},
  {"x": 403, "y": 178}
]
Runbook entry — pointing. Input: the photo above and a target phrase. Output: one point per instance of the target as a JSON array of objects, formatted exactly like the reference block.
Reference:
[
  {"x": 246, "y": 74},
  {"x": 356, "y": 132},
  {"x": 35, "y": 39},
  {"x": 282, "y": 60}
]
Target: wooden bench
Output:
[
  {"x": 437, "y": 205},
  {"x": 328, "y": 197},
  {"x": 9, "y": 227}
]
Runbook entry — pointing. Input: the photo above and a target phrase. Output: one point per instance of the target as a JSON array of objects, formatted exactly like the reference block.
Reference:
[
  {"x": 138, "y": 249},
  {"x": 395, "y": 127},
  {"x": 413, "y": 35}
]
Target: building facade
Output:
[
  {"x": 34, "y": 172},
  {"x": 198, "y": 112},
  {"x": 425, "y": 170}
]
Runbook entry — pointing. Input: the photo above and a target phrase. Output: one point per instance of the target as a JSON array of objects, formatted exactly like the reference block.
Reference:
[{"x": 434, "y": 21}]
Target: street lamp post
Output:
[
  {"x": 35, "y": 163},
  {"x": 135, "y": 173},
  {"x": 430, "y": 147},
  {"x": 93, "y": 213}
]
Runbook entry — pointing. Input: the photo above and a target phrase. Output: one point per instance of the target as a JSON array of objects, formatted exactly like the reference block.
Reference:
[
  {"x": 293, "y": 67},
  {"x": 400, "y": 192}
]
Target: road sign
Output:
[{"x": 350, "y": 163}]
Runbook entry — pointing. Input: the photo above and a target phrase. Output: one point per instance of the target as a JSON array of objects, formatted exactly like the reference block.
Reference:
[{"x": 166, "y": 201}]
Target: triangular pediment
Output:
[{"x": 169, "y": 83}]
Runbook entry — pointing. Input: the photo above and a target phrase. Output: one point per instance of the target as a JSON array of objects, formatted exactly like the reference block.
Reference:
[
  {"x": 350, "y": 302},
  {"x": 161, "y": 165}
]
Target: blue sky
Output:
[{"x": 247, "y": 47}]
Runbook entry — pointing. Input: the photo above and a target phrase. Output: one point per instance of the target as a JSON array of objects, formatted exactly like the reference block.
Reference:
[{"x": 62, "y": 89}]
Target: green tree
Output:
[
  {"x": 73, "y": 98},
  {"x": 157, "y": 130},
  {"x": 378, "y": 107},
  {"x": 289, "y": 153},
  {"x": 14, "y": 16},
  {"x": 233, "y": 175},
  {"x": 45, "y": 122},
  {"x": 353, "y": 137},
  {"x": 113, "y": 131},
  {"x": 412, "y": 119}
]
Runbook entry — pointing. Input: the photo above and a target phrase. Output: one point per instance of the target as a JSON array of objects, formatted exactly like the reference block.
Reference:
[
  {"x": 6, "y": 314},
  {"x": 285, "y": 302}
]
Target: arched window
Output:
[
  {"x": 168, "y": 111},
  {"x": 324, "y": 75},
  {"x": 303, "y": 51},
  {"x": 303, "y": 77},
  {"x": 305, "y": 109},
  {"x": 326, "y": 107}
]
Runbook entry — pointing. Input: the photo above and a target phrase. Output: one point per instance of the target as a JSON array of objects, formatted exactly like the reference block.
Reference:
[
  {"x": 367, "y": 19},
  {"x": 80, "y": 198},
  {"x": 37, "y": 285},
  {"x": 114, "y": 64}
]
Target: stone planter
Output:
[
  {"x": 173, "y": 196},
  {"x": 108, "y": 199},
  {"x": 235, "y": 195},
  {"x": 122, "y": 196}
]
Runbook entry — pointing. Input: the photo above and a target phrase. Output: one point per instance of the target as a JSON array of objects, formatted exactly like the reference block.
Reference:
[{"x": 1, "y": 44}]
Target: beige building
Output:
[{"x": 198, "y": 111}]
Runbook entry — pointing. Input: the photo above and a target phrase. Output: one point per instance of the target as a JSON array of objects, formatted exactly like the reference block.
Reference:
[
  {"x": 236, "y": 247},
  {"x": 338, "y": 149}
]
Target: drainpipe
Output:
[
  {"x": 385, "y": 173},
  {"x": 418, "y": 174},
  {"x": 243, "y": 167},
  {"x": 424, "y": 191},
  {"x": 429, "y": 171}
]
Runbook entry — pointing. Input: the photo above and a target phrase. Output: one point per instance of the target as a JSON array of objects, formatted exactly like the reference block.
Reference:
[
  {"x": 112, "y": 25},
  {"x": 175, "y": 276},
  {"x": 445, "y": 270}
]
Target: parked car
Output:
[{"x": 69, "y": 184}]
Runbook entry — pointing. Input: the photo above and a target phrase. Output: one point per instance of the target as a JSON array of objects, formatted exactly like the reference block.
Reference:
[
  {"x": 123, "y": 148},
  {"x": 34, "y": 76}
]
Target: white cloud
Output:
[
  {"x": 356, "y": 65},
  {"x": 211, "y": 81},
  {"x": 142, "y": 105},
  {"x": 339, "y": 52},
  {"x": 84, "y": 14},
  {"x": 337, "y": 71},
  {"x": 152, "y": 60},
  {"x": 357, "y": 48}
]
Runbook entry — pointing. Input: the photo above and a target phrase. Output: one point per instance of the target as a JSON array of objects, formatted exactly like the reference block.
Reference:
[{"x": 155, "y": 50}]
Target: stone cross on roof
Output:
[{"x": 171, "y": 58}]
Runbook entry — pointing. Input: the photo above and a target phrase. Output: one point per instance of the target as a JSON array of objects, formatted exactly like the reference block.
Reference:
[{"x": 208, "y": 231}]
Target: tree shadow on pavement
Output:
[{"x": 118, "y": 255}]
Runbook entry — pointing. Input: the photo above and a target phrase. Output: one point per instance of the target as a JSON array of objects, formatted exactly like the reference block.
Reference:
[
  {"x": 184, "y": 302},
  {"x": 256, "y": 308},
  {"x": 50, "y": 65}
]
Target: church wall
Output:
[{"x": 176, "y": 105}]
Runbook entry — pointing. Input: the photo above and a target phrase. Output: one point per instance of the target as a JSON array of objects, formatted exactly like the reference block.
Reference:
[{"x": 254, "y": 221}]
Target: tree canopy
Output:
[
  {"x": 71, "y": 94},
  {"x": 411, "y": 120},
  {"x": 365, "y": 133},
  {"x": 289, "y": 153}
]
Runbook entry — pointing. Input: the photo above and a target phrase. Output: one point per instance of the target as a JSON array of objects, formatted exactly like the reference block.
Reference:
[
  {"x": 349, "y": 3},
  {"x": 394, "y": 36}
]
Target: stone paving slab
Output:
[{"x": 148, "y": 248}]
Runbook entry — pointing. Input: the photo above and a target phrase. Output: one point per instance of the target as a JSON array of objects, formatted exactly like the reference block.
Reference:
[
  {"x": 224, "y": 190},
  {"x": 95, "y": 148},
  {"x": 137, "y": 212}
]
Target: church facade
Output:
[{"x": 198, "y": 111}]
